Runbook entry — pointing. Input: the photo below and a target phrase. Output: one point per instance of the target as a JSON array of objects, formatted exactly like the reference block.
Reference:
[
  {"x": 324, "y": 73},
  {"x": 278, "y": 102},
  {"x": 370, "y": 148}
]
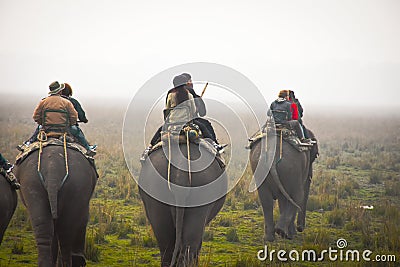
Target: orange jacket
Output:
[{"x": 55, "y": 102}]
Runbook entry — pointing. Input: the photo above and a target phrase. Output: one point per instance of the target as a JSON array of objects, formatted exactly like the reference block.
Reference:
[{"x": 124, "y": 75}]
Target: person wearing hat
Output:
[
  {"x": 7, "y": 172},
  {"x": 180, "y": 95},
  {"x": 50, "y": 115},
  {"x": 281, "y": 111},
  {"x": 51, "y": 121},
  {"x": 201, "y": 108}
]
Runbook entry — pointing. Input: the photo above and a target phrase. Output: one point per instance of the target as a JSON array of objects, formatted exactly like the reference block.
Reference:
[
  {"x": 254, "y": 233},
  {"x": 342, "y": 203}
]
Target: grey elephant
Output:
[
  {"x": 8, "y": 203},
  {"x": 58, "y": 212},
  {"x": 287, "y": 181},
  {"x": 179, "y": 229}
]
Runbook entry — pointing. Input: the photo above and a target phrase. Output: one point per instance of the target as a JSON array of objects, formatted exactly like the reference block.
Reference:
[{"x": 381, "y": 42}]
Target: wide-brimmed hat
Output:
[
  {"x": 56, "y": 87},
  {"x": 180, "y": 80}
]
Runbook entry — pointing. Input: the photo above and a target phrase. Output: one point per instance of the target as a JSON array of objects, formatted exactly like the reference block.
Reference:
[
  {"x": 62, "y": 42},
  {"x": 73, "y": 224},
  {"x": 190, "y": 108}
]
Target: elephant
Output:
[
  {"x": 178, "y": 227},
  {"x": 58, "y": 208},
  {"x": 286, "y": 181},
  {"x": 8, "y": 203}
]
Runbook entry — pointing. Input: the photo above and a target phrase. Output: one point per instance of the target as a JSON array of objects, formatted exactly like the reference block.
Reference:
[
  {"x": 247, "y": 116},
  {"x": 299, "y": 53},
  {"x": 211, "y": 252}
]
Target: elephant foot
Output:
[
  {"x": 78, "y": 261},
  {"x": 282, "y": 233},
  {"x": 300, "y": 228},
  {"x": 270, "y": 237}
]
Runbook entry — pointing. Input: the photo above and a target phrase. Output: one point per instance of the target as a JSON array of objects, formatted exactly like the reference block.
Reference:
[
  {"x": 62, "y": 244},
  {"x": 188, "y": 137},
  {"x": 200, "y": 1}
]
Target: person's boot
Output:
[
  {"x": 11, "y": 177},
  {"x": 145, "y": 153},
  {"x": 24, "y": 146},
  {"x": 306, "y": 142},
  {"x": 91, "y": 150},
  {"x": 219, "y": 147}
]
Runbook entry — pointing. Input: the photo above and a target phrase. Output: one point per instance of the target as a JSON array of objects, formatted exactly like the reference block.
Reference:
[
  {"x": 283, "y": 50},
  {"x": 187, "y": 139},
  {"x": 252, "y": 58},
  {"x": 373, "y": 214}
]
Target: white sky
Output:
[{"x": 343, "y": 52}]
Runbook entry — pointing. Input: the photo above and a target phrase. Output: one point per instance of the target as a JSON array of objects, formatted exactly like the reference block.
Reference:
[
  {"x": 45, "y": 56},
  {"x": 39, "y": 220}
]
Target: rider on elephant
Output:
[
  {"x": 296, "y": 105},
  {"x": 281, "y": 111},
  {"x": 75, "y": 130},
  {"x": 7, "y": 167},
  {"x": 54, "y": 108},
  {"x": 183, "y": 91}
]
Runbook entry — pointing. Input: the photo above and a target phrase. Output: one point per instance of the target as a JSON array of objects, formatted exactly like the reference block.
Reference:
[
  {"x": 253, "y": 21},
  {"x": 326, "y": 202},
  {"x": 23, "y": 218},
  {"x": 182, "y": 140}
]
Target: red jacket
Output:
[{"x": 295, "y": 111}]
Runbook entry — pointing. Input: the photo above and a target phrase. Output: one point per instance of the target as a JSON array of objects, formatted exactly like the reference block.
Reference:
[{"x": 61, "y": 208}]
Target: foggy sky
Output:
[{"x": 340, "y": 53}]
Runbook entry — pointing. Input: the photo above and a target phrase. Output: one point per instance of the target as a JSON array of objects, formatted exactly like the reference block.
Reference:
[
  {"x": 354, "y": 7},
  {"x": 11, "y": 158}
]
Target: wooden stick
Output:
[{"x": 204, "y": 90}]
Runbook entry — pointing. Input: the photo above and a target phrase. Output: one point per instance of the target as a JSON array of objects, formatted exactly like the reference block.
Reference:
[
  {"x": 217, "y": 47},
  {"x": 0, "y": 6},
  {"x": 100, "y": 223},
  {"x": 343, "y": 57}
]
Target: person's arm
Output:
[
  {"x": 289, "y": 111},
  {"x": 79, "y": 109},
  {"x": 37, "y": 114},
  {"x": 300, "y": 108},
  {"x": 200, "y": 105}
]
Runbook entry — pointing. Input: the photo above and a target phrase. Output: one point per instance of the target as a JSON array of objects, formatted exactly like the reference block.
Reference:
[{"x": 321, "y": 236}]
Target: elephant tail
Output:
[
  {"x": 278, "y": 182},
  {"x": 52, "y": 193},
  {"x": 180, "y": 212}
]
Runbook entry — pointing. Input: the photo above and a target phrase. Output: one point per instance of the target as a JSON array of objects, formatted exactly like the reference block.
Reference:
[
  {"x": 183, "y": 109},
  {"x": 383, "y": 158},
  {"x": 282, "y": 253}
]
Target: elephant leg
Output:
[
  {"x": 267, "y": 203},
  {"x": 286, "y": 218},
  {"x": 288, "y": 212},
  {"x": 43, "y": 227},
  {"x": 78, "y": 244},
  {"x": 160, "y": 218},
  {"x": 283, "y": 222},
  {"x": 194, "y": 221},
  {"x": 292, "y": 228},
  {"x": 42, "y": 224},
  {"x": 301, "y": 218}
]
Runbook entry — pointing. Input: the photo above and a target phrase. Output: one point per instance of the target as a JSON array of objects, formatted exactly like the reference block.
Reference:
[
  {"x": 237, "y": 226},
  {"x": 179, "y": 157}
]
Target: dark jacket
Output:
[
  {"x": 280, "y": 110},
  {"x": 201, "y": 107},
  {"x": 299, "y": 108},
  {"x": 79, "y": 109}
]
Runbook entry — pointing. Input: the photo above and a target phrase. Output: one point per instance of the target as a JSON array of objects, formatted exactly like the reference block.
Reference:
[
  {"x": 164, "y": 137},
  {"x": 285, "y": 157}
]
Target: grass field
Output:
[{"x": 359, "y": 165}]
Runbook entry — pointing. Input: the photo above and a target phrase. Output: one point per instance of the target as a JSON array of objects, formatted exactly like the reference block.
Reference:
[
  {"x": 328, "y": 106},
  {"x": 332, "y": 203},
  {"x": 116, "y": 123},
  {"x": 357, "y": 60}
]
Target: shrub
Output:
[
  {"x": 231, "y": 235},
  {"x": 332, "y": 162},
  {"x": 392, "y": 189},
  {"x": 336, "y": 217},
  {"x": 225, "y": 222},
  {"x": 250, "y": 205},
  {"x": 375, "y": 178},
  {"x": 17, "y": 248},
  {"x": 149, "y": 242},
  {"x": 208, "y": 236},
  {"x": 92, "y": 252}
]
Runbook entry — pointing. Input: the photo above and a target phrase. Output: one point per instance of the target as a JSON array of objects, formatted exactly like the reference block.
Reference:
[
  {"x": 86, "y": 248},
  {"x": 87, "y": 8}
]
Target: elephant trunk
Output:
[
  {"x": 180, "y": 212},
  {"x": 277, "y": 180}
]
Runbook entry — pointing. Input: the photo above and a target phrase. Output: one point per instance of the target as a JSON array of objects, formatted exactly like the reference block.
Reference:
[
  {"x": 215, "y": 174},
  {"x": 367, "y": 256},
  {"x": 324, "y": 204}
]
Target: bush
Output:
[
  {"x": 92, "y": 252},
  {"x": 208, "y": 236},
  {"x": 250, "y": 205},
  {"x": 336, "y": 217},
  {"x": 324, "y": 202},
  {"x": 149, "y": 242},
  {"x": 392, "y": 189},
  {"x": 375, "y": 178},
  {"x": 225, "y": 222},
  {"x": 17, "y": 248},
  {"x": 231, "y": 235},
  {"x": 332, "y": 162}
]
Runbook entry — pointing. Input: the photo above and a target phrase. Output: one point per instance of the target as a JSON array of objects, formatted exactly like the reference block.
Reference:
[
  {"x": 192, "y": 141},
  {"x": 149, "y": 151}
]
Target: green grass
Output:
[{"x": 352, "y": 171}]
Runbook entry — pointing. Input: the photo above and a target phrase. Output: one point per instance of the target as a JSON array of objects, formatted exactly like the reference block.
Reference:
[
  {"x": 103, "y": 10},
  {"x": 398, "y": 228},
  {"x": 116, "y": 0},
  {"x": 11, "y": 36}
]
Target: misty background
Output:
[{"x": 340, "y": 54}]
